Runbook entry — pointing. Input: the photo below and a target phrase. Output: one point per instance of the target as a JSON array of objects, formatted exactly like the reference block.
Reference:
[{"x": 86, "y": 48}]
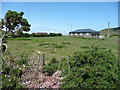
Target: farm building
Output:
[
  {"x": 84, "y": 33},
  {"x": 40, "y": 33}
]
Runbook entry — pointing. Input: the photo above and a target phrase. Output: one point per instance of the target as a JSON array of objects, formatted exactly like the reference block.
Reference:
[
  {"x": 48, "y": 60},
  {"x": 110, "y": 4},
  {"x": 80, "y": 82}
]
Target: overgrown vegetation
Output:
[
  {"x": 27, "y": 46},
  {"x": 12, "y": 69},
  {"x": 93, "y": 68},
  {"x": 52, "y": 66}
]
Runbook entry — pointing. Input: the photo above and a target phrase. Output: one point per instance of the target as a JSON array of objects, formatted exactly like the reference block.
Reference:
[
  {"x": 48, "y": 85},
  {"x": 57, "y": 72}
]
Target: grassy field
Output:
[{"x": 58, "y": 47}]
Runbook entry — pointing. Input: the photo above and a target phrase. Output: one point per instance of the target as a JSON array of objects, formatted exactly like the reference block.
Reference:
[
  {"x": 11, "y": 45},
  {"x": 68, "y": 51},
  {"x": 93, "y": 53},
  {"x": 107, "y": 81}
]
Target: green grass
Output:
[{"x": 58, "y": 46}]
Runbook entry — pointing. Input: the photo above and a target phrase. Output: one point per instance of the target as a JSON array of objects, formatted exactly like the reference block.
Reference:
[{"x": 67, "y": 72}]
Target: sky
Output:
[{"x": 63, "y": 17}]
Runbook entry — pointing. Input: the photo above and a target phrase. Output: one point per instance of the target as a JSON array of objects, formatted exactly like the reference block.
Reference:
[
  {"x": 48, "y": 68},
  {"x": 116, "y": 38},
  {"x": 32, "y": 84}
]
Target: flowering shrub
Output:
[{"x": 12, "y": 71}]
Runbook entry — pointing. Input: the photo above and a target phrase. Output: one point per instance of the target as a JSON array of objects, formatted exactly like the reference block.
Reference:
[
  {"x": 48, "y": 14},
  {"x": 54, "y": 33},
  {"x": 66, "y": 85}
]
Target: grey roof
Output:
[{"x": 84, "y": 30}]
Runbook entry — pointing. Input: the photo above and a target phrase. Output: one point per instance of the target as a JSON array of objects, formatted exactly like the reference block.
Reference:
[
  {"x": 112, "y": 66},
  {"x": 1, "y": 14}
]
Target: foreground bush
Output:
[
  {"x": 94, "y": 68},
  {"x": 12, "y": 69},
  {"x": 52, "y": 66}
]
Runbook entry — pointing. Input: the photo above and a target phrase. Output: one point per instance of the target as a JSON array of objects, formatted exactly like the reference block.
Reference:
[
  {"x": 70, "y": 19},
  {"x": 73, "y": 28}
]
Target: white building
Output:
[{"x": 84, "y": 33}]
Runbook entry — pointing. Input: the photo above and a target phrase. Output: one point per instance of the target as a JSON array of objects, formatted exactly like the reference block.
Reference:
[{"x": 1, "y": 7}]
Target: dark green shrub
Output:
[
  {"x": 15, "y": 71},
  {"x": 93, "y": 68},
  {"x": 55, "y": 34},
  {"x": 41, "y": 44},
  {"x": 52, "y": 34},
  {"x": 40, "y": 35},
  {"x": 26, "y": 35},
  {"x": 5, "y": 69},
  {"x": 10, "y": 82},
  {"x": 11, "y": 72},
  {"x": 22, "y": 61},
  {"x": 10, "y": 77},
  {"x": 86, "y": 47},
  {"x": 52, "y": 66},
  {"x": 58, "y": 34}
]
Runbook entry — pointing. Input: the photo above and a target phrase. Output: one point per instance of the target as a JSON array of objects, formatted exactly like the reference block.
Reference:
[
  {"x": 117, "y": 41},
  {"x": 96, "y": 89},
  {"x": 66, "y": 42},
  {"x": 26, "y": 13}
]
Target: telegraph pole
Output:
[{"x": 108, "y": 28}]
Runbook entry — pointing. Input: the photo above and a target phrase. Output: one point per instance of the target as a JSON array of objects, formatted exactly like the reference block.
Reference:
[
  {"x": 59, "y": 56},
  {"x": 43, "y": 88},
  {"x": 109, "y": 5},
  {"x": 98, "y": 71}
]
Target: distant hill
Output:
[{"x": 112, "y": 31}]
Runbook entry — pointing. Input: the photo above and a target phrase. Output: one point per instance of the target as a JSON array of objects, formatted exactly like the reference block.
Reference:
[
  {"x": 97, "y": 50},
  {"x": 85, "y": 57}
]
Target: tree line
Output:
[{"x": 21, "y": 34}]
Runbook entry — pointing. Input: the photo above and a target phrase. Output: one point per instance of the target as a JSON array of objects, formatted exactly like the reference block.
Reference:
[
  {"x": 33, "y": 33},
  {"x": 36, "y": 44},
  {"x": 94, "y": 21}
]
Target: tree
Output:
[
  {"x": 19, "y": 33},
  {"x": 12, "y": 22}
]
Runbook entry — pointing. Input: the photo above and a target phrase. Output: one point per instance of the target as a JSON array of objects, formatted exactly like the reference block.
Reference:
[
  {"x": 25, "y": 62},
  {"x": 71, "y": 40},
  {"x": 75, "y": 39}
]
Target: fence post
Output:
[
  {"x": 41, "y": 58},
  {"x": 68, "y": 62}
]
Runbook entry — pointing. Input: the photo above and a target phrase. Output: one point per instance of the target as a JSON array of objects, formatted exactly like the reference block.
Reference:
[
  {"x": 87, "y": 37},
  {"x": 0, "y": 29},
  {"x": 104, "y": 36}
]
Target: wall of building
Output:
[{"x": 83, "y": 34}]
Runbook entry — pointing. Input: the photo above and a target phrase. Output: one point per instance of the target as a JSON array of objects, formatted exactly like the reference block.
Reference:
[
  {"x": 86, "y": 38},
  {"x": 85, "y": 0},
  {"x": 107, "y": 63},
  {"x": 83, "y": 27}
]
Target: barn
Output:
[{"x": 84, "y": 33}]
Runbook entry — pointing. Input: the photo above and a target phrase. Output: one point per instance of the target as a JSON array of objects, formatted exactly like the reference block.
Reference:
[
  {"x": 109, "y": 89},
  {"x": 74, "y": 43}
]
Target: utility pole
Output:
[{"x": 108, "y": 28}]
